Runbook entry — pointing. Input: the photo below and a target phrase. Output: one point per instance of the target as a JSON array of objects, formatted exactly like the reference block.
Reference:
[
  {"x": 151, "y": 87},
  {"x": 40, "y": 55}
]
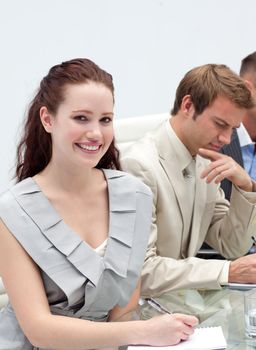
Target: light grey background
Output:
[{"x": 147, "y": 45}]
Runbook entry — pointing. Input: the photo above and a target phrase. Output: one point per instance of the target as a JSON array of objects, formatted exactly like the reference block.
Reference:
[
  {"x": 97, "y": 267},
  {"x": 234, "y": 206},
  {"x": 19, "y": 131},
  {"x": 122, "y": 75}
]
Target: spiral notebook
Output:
[{"x": 204, "y": 338}]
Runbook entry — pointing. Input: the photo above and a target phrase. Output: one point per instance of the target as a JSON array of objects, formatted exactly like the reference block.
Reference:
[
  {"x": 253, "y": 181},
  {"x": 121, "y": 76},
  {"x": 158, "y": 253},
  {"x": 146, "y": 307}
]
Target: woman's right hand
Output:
[{"x": 169, "y": 329}]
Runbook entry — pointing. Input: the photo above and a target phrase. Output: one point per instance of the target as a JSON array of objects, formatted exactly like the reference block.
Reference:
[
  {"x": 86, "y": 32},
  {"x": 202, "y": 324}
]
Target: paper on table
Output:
[
  {"x": 202, "y": 339},
  {"x": 240, "y": 286}
]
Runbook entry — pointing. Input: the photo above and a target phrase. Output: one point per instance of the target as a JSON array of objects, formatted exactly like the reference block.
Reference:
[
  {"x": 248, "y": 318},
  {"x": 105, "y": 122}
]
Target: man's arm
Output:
[
  {"x": 162, "y": 274},
  {"x": 230, "y": 234}
]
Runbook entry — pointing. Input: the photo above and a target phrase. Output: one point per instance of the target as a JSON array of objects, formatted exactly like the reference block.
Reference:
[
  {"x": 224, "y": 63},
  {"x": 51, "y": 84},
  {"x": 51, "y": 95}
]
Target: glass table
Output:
[{"x": 223, "y": 308}]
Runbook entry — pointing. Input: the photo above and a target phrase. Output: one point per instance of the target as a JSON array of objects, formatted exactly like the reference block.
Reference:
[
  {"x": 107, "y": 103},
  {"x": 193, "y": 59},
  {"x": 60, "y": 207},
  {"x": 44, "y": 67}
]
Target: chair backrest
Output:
[{"x": 128, "y": 130}]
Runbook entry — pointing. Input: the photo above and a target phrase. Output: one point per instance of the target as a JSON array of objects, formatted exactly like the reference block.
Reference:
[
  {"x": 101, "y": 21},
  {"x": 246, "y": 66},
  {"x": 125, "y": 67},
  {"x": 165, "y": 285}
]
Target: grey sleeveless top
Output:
[{"x": 78, "y": 282}]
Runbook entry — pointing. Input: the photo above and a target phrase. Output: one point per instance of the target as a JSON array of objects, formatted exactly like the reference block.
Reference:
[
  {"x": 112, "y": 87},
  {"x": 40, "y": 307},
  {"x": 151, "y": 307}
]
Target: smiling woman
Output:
[{"x": 67, "y": 221}]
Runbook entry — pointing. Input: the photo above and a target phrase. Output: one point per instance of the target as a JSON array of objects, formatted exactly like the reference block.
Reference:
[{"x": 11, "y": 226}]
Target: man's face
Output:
[{"x": 212, "y": 129}]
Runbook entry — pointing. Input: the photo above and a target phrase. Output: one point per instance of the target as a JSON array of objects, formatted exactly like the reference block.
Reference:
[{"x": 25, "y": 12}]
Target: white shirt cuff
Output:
[{"x": 223, "y": 279}]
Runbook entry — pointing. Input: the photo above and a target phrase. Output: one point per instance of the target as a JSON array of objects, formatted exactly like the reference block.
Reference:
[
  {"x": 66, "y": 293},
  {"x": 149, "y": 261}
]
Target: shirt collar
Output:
[
  {"x": 182, "y": 154},
  {"x": 243, "y": 136}
]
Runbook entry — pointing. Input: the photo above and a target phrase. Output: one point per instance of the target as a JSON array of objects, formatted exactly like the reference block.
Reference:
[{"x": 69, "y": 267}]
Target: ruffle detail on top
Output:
[{"x": 68, "y": 260}]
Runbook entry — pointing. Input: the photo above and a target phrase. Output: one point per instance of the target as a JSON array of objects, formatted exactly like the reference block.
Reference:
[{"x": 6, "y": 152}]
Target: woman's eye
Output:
[
  {"x": 81, "y": 118},
  {"x": 106, "y": 120}
]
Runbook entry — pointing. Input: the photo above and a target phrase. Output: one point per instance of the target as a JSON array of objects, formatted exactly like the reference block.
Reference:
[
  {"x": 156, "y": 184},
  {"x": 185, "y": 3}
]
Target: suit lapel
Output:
[{"x": 173, "y": 171}]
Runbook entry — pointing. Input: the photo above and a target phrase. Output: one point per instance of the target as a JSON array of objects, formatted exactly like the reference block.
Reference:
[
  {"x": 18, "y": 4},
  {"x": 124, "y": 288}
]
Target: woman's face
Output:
[{"x": 82, "y": 128}]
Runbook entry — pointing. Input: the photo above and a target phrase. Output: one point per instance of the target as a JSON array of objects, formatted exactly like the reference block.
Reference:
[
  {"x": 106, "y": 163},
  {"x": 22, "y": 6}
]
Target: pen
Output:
[{"x": 156, "y": 305}]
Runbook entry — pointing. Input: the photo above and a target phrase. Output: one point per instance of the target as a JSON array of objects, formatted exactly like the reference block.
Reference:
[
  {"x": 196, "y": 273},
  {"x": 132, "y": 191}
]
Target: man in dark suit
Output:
[{"x": 242, "y": 146}]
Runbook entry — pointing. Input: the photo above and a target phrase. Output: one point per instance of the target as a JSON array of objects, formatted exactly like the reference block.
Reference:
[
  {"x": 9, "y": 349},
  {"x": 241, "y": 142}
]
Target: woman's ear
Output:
[{"x": 46, "y": 119}]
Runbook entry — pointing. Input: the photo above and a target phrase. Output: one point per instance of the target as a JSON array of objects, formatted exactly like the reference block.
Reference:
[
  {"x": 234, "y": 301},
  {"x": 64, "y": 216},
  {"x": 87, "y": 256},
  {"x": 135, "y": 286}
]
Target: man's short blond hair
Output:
[{"x": 205, "y": 83}]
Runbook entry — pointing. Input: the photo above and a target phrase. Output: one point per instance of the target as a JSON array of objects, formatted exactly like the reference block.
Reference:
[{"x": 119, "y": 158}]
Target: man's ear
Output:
[
  {"x": 251, "y": 88},
  {"x": 46, "y": 119},
  {"x": 249, "y": 85},
  {"x": 187, "y": 106}
]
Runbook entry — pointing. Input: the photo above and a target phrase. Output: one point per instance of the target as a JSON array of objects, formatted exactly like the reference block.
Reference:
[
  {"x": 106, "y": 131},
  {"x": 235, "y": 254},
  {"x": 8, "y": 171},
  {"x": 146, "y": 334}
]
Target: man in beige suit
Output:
[{"x": 181, "y": 163}]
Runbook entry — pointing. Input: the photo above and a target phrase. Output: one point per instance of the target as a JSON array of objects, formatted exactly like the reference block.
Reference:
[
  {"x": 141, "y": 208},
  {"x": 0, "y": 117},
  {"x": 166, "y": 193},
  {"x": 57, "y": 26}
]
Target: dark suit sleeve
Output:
[{"x": 232, "y": 150}]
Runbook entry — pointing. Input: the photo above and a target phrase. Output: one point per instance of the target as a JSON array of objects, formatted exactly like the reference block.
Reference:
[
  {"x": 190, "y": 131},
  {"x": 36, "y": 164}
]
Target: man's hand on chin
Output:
[{"x": 223, "y": 166}]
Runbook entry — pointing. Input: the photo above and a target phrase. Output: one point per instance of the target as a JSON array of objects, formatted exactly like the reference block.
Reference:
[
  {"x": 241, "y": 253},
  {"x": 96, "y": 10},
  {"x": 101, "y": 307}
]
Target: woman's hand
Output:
[{"x": 169, "y": 329}]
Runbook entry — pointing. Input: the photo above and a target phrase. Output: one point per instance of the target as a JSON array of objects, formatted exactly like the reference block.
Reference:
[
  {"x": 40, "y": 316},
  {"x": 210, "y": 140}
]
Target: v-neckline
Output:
[
  {"x": 70, "y": 229},
  {"x": 58, "y": 243}
]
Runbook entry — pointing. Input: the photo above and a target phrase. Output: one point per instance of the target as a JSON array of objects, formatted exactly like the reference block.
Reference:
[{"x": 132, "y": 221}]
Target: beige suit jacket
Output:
[{"x": 170, "y": 261}]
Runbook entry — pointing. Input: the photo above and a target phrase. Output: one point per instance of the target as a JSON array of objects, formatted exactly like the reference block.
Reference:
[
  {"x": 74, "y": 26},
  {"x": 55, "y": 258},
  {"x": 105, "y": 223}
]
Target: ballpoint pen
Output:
[{"x": 156, "y": 305}]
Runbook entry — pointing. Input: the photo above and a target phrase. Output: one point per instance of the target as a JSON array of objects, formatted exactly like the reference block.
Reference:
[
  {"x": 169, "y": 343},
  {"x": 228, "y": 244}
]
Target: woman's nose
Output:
[{"x": 94, "y": 132}]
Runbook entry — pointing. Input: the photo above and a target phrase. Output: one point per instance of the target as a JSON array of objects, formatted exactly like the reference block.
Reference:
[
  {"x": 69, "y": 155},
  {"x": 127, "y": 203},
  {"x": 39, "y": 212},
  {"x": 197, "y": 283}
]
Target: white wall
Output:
[{"x": 147, "y": 45}]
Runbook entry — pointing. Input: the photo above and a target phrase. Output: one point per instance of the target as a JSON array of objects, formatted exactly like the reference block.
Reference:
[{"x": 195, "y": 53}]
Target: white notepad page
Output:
[{"x": 202, "y": 339}]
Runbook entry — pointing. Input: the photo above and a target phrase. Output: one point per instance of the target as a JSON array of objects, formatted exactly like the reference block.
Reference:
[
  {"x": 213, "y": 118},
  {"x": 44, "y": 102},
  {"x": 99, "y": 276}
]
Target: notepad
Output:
[
  {"x": 202, "y": 339},
  {"x": 240, "y": 286}
]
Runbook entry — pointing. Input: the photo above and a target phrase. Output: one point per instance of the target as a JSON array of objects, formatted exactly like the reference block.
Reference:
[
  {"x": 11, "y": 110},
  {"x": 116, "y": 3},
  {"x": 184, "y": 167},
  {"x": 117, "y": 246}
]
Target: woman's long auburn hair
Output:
[{"x": 34, "y": 150}]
